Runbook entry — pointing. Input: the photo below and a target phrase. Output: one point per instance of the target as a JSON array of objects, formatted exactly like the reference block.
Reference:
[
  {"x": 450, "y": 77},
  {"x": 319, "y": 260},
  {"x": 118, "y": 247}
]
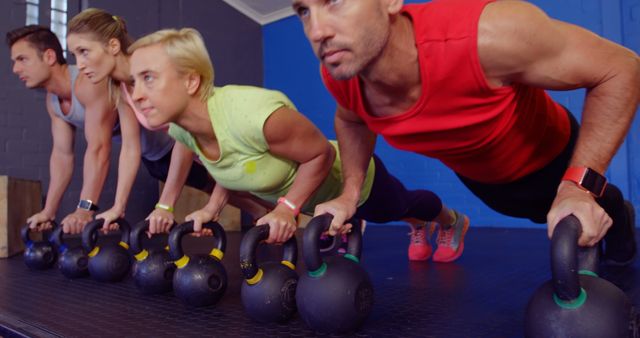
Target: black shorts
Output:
[
  {"x": 530, "y": 196},
  {"x": 198, "y": 178}
]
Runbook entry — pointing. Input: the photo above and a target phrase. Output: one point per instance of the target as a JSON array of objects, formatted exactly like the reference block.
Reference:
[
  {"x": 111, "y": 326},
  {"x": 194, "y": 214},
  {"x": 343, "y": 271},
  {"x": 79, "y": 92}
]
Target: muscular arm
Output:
[
  {"x": 302, "y": 143},
  {"x": 60, "y": 163},
  {"x": 128, "y": 163},
  {"x": 518, "y": 43},
  {"x": 356, "y": 144},
  {"x": 292, "y": 136},
  {"x": 100, "y": 118}
]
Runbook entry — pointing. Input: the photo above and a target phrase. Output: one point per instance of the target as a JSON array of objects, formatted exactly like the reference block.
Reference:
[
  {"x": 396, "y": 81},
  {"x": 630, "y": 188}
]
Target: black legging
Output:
[
  {"x": 531, "y": 196},
  {"x": 198, "y": 178},
  {"x": 390, "y": 201}
]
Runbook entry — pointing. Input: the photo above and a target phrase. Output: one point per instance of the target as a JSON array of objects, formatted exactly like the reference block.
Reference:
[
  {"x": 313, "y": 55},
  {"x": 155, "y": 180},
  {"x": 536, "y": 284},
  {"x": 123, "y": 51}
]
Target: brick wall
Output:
[{"x": 25, "y": 137}]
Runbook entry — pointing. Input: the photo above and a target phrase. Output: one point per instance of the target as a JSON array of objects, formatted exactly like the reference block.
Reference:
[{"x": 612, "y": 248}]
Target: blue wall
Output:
[{"x": 290, "y": 66}]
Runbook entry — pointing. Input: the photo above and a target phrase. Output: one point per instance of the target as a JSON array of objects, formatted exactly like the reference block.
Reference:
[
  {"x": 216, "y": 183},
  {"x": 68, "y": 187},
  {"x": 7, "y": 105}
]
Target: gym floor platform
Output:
[{"x": 483, "y": 294}]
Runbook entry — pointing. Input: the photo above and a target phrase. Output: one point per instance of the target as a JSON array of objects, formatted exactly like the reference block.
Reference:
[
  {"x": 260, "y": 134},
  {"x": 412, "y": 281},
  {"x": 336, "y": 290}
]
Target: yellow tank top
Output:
[{"x": 238, "y": 114}]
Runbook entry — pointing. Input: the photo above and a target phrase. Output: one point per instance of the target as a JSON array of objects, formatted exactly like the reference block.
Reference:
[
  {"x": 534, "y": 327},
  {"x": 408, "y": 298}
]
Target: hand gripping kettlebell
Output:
[
  {"x": 152, "y": 269},
  {"x": 335, "y": 295},
  {"x": 199, "y": 280},
  {"x": 111, "y": 262},
  {"x": 268, "y": 292}
]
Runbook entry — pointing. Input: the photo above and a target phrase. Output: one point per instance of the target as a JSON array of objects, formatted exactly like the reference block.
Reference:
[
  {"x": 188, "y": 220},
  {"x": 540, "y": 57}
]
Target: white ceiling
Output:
[{"x": 263, "y": 11}]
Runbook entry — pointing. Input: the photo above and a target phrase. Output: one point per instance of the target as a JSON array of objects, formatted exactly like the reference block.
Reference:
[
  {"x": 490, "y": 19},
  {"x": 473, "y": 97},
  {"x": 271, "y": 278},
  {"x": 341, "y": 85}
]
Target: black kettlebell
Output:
[
  {"x": 576, "y": 303},
  {"x": 200, "y": 280},
  {"x": 334, "y": 295},
  {"x": 152, "y": 270},
  {"x": 111, "y": 262},
  {"x": 38, "y": 255},
  {"x": 269, "y": 291},
  {"x": 72, "y": 262}
]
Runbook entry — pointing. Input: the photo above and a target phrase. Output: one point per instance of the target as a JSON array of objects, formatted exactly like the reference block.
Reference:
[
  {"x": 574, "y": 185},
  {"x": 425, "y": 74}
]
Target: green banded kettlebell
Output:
[
  {"x": 269, "y": 290},
  {"x": 38, "y": 255},
  {"x": 72, "y": 262},
  {"x": 335, "y": 295},
  {"x": 152, "y": 269},
  {"x": 199, "y": 280},
  {"x": 111, "y": 262},
  {"x": 577, "y": 303}
]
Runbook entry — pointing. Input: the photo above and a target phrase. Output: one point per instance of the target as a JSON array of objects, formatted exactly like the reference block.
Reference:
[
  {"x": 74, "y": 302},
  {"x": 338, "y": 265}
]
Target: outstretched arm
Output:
[
  {"x": 128, "y": 163},
  {"x": 356, "y": 143},
  {"x": 100, "y": 118},
  {"x": 60, "y": 168},
  {"x": 518, "y": 43},
  {"x": 304, "y": 144},
  {"x": 181, "y": 161}
]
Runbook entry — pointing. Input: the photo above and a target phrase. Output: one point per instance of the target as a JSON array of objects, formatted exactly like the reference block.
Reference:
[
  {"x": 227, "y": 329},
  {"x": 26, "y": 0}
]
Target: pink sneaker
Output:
[
  {"x": 419, "y": 245},
  {"x": 451, "y": 241}
]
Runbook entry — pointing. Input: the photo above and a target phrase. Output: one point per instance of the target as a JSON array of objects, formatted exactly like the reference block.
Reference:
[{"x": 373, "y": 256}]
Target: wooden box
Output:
[{"x": 19, "y": 199}]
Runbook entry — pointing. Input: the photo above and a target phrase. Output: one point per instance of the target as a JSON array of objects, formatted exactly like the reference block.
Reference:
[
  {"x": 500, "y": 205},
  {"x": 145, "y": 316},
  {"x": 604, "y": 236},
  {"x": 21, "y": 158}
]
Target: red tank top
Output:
[{"x": 491, "y": 135}]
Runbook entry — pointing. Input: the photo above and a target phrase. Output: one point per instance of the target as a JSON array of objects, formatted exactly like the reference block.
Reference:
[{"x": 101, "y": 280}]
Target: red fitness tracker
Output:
[{"x": 587, "y": 179}]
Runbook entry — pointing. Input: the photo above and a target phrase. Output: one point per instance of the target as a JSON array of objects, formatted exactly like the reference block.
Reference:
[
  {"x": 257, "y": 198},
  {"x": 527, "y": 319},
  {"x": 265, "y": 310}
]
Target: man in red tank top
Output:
[{"x": 463, "y": 81}]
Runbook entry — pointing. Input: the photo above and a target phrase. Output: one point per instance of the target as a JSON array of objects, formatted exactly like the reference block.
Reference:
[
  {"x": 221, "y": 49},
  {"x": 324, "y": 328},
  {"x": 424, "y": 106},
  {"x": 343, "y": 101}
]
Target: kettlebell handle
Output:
[
  {"x": 178, "y": 231},
  {"x": 565, "y": 255},
  {"x": 249, "y": 244},
  {"x": 311, "y": 240},
  {"x": 57, "y": 238},
  {"x": 89, "y": 234},
  {"x": 25, "y": 231},
  {"x": 136, "y": 236}
]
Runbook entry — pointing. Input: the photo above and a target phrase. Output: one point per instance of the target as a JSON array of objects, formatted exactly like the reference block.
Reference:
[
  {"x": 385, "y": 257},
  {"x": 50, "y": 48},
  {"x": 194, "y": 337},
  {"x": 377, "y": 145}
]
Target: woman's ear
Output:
[
  {"x": 114, "y": 46},
  {"x": 193, "y": 83}
]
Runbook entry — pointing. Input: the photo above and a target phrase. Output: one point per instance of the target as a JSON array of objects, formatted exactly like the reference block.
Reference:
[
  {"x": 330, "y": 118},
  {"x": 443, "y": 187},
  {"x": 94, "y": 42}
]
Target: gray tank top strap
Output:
[{"x": 76, "y": 113}]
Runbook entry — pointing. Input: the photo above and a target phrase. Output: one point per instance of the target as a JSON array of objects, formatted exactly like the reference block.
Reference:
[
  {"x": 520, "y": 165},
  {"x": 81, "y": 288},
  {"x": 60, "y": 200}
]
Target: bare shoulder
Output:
[
  {"x": 510, "y": 13},
  {"x": 49, "y": 106},
  {"x": 278, "y": 125},
  {"x": 511, "y": 34},
  {"x": 87, "y": 91}
]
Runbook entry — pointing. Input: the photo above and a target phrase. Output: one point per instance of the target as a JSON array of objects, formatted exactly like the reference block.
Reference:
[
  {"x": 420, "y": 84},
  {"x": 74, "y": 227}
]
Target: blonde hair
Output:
[
  {"x": 103, "y": 26},
  {"x": 186, "y": 50}
]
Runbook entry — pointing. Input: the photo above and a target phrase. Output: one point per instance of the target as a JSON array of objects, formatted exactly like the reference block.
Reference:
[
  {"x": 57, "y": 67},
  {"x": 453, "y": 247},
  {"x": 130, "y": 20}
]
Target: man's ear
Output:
[
  {"x": 49, "y": 56},
  {"x": 394, "y": 6}
]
